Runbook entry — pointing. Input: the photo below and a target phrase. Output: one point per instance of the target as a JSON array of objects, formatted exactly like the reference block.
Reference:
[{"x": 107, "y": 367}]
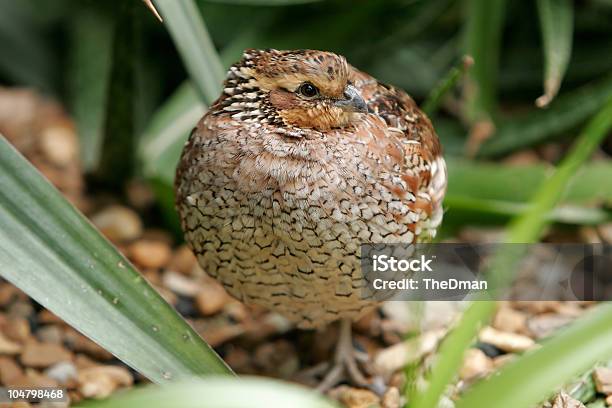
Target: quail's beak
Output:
[{"x": 353, "y": 101}]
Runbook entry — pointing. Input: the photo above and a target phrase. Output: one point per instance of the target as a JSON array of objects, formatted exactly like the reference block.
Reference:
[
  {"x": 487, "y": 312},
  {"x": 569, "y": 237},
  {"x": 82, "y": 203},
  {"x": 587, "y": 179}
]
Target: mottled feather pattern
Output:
[{"x": 277, "y": 190}]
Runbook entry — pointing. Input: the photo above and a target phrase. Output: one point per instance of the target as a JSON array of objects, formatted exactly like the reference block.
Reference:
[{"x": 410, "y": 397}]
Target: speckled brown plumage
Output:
[{"x": 277, "y": 188}]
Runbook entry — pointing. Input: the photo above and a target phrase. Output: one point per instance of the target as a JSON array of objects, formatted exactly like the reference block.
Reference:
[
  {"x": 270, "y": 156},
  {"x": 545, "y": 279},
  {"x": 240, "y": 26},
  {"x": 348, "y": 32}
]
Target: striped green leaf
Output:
[{"x": 55, "y": 255}]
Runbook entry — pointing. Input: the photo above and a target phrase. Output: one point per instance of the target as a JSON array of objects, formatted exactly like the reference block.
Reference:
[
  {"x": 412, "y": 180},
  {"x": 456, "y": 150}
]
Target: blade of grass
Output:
[
  {"x": 557, "y": 25},
  {"x": 26, "y": 56},
  {"x": 217, "y": 393},
  {"x": 52, "y": 252},
  {"x": 187, "y": 28},
  {"x": 484, "y": 25},
  {"x": 161, "y": 145},
  {"x": 169, "y": 127},
  {"x": 91, "y": 59},
  {"x": 486, "y": 193},
  {"x": 565, "y": 113},
  {"x": 469, "y": 210},
  {"x": 117, "y": 154},
  {"x": 517, "y": 184},
  {"x": 524, "y": 229},
  {"x": 535, "y": 375},
  {"x": 431, "y": 104}
]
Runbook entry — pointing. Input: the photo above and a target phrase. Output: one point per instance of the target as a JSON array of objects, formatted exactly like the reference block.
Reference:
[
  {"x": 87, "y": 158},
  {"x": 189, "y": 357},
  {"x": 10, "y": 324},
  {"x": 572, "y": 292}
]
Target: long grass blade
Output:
[
  {"x": 26, "y": 57},
  {"x": 51, "y": 252},
  {"x": 557, "y": 24},
  {"x": 488, "y": 193},
  {"x": 485, "y": 21},
  {"x": 447, "y": 83},
  {"x": 91, "y": 59},
  {"x": 187, "y": 28},
  {"x": 564, "y": 114}
]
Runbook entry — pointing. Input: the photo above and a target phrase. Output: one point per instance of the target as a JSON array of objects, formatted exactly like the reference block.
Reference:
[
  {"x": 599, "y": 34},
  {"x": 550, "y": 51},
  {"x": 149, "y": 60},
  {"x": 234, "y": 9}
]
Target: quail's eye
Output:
[{"x": 308, "y": 90}]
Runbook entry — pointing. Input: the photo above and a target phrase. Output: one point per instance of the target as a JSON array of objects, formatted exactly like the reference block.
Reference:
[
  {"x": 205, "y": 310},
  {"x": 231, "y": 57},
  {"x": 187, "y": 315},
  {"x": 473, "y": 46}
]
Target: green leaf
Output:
[
  {"x": 26, "y": 56},
  {"x": 219, "y": 393},
  {"x": 484, "y": 25},
  {"x": 536, "y": 374},
  {"x": 445, "y": 85},
  {"x": 52, "y": 252},
  {"x": 565, "y": 113},
  {"x": 482, "y": 193},
  {"x": 161, "y": 144},
  {"x": 557, "y": 25},
  {"x": 168, "y": 131},
  {"x": 187, "y": 28},
  {"x": 464, "y": 210},
  {"x": 91, "y": 59}
]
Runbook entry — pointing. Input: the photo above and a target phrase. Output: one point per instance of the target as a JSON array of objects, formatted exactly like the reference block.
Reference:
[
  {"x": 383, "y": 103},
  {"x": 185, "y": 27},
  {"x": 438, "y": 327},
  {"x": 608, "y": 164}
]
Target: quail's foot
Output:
[{"x": 346, "y": 364}]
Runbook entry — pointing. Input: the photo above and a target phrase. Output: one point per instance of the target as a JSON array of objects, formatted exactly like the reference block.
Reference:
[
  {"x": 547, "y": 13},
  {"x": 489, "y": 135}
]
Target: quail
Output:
[{"x": 301, "y": 160}]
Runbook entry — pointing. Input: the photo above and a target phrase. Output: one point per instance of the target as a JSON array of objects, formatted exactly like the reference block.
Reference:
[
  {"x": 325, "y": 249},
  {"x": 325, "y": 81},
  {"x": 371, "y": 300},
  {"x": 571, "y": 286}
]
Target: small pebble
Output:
[
  {"x": 9, "y": 370},
  {"x": 62, "y": 372},
  {"x": 18, "y": 329},
  {"x": 22, "y": 308},
  {"x": 36, "y": 354},
  {"x": 59, "y": 144},
  {"x": 603, "y": 380},
  {"x": 150, "y": 254},
  {"x": 508, "y": 319},
  {"x": 476, "y": 365},
  {"x": 509, "y": 342},
  {"x": 392, "y": 358},
  {"x": 392, "y": 398},
  {"x": 183, "y": 260},
  {"x": 34, "y": 379},
  {"x": 8, "y": 293},
  {"x": 355, "y": 397},
  {"x": 180, "y": 284},
  {"x": 82, "y": 361},
  {"x": 118, "y": 223},
  {"x": 502, "y": 360},
  {"x": 8, "y": 346},
  {"x": 100, "y": 381},
  {"x": 605, "y": 231},
  {"x": 563, "y": 400},
  {"x": 50, "y": 334},
  {"x": 545, "y": 325},
  {"x": 211, "y": 298}
]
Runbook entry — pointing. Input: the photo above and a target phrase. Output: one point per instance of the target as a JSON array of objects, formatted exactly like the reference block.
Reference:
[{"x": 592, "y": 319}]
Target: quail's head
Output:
[{"x": 301, "y": 89}]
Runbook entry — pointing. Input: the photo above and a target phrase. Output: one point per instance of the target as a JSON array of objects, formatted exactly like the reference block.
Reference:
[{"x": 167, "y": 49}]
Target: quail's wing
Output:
[{"x": 411, "y": 151}]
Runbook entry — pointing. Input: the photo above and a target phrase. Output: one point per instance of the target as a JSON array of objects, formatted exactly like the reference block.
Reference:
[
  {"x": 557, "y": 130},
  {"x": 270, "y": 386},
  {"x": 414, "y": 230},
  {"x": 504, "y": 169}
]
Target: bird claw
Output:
[{"x": 345, "y": 363}]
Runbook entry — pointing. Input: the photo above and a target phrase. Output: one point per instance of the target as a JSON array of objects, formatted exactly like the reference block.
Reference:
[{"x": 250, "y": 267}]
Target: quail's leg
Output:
[{"x": 345, "y": 362}]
